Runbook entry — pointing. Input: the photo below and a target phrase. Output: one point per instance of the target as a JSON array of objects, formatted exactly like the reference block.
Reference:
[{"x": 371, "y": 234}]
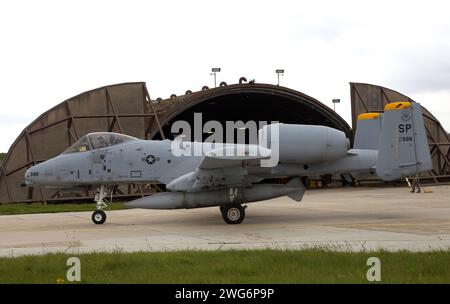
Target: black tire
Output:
[
  {"x": 233, "y": 214},
  {"x": 98, "y": 217}
]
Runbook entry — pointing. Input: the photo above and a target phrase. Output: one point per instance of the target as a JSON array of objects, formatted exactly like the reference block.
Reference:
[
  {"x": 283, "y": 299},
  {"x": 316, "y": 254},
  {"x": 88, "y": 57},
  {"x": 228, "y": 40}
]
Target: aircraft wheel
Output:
[
  {"x": 233, "y": 214},
  {"x": 98, "y": 217}
]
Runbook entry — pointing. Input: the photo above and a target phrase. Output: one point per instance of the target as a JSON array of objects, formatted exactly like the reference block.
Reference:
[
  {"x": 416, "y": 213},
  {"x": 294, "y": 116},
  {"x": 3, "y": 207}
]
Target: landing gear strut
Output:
[
  {"x": 99, "y": 216},
  {"x": 233, "y": 214}
]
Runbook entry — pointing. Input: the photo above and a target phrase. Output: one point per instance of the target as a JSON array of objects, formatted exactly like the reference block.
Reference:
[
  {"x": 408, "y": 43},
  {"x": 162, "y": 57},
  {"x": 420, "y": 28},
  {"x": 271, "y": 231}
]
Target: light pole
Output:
[
  {"x": 335, "y": 101},
  {"x": 279, "y": 72},
  {"x": 214, "y": 71}
]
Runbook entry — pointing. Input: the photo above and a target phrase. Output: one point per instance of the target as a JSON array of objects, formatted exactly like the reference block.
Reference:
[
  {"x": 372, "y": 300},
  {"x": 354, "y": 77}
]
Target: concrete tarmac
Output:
[{"x": 340, "y": 219}]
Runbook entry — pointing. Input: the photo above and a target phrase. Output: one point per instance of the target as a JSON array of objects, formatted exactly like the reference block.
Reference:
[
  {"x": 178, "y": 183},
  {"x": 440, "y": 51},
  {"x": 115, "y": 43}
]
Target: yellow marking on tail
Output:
[
  {"x": 364, "y": 116},
  {"x": 397, "y": 105}
]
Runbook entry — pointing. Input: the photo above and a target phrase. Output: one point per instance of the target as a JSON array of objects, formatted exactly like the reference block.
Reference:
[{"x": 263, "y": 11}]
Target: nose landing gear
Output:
[{"x": 99, "y": 216}]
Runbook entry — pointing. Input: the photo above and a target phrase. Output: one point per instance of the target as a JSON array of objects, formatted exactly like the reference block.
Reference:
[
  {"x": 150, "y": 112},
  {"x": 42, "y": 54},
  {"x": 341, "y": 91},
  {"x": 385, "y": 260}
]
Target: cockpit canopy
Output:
[{"x": 98, "y": 140}]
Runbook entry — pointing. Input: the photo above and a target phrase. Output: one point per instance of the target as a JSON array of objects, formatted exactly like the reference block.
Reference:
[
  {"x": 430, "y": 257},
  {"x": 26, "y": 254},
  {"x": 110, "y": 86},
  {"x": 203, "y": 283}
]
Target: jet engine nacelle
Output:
[{"x": 305, "y": 144}]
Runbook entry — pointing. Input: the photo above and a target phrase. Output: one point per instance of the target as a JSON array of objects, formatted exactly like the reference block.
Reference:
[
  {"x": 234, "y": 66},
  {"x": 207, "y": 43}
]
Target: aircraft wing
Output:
[
  {"x": 236, "y": 155},
  {"x": 221, "y": 168}
]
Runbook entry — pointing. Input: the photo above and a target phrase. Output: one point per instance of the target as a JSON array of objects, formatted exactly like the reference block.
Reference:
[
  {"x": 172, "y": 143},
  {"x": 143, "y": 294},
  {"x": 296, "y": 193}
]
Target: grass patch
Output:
[
  {"x": 243, "y": 266},
  {"x": 7, "y": 209}
]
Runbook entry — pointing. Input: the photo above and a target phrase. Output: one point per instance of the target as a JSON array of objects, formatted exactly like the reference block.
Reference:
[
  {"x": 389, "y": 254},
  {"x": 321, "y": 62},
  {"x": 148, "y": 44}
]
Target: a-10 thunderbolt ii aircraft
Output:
[{"x": 391, "y": 145}]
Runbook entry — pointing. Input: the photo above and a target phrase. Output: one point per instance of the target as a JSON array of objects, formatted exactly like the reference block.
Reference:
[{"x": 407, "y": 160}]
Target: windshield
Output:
[
  {"x": 103, "y": 140},
  {"x": 97, "y": 141},
  {"x": 81, "y": 145}
]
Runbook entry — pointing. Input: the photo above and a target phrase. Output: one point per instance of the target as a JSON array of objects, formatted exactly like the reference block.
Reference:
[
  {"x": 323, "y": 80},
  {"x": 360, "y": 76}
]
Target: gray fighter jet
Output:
[{"x": 390, "y": 145}]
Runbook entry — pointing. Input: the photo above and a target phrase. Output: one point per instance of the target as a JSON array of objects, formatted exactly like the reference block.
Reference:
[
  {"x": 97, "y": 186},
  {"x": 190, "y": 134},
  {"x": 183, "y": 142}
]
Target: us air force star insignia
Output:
[
  {"x": 150, "y": 159},
  {"x": 406, "y": 116}
]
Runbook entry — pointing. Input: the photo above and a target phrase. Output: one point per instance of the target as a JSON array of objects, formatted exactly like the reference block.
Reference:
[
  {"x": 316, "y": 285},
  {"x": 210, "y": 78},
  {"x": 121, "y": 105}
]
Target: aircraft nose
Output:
[{"x": 32, "y": 175}]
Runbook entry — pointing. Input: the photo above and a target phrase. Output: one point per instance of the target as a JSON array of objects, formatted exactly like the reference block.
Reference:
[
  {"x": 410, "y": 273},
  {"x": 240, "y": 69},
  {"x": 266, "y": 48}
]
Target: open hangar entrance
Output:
[{"x": 250, "y": 102}]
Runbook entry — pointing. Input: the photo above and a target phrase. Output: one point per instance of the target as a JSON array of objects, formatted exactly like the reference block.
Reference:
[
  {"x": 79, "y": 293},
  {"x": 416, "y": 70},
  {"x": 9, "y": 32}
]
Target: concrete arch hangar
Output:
[{"x": 127, "y": 108}]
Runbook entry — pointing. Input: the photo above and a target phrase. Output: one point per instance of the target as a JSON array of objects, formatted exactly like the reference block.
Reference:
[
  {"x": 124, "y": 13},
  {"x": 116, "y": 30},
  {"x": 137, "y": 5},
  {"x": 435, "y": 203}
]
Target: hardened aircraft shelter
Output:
[{"x": 128, "y": 108}]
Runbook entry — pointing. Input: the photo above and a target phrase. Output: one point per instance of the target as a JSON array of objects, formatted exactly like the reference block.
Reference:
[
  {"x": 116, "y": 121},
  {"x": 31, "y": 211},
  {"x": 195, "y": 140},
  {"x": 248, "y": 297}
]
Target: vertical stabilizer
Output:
[
  {"x": 403, "y": 146},
  {"x": 368, "y": 130}
]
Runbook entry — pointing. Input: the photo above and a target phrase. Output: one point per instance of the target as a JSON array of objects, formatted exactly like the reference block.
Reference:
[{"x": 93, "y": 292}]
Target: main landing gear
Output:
[
  {"x": 233, "y": 214},
  {"x": 99, "y": 216}
]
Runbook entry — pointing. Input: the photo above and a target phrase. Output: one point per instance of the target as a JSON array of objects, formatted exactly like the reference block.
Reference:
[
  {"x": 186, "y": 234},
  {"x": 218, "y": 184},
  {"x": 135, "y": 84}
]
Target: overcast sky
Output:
[{"x": 53, "y": 50}]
